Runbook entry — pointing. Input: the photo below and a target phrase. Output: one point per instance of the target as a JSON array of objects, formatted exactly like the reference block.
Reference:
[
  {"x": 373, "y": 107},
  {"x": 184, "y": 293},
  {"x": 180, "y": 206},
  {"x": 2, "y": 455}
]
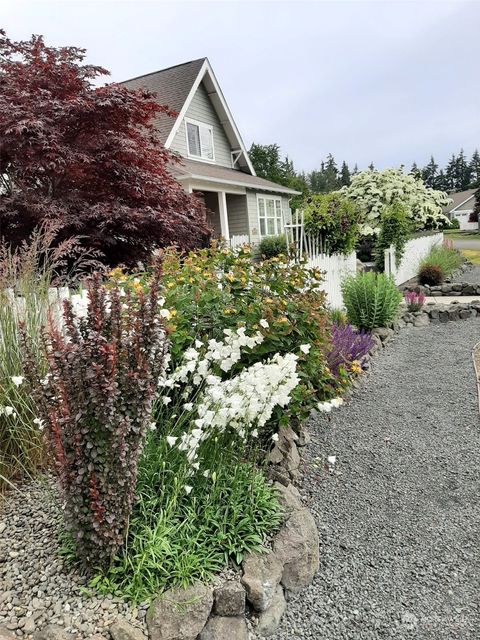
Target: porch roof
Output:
[{"x": 195, "y": 170}]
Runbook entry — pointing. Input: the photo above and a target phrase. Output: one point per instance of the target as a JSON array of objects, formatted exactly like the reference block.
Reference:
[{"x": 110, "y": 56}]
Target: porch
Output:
[{"x": 227, "y": 214}]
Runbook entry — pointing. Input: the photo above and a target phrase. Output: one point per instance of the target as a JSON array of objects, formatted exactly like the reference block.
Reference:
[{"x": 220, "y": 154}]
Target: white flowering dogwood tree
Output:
[{"x": 374, "y": 190}]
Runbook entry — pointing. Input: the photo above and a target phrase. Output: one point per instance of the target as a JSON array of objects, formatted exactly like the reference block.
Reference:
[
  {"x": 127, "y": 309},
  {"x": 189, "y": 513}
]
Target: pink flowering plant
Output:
[
  {"x": 95, "y": 407},
  {"x": 414, "y": 300}
]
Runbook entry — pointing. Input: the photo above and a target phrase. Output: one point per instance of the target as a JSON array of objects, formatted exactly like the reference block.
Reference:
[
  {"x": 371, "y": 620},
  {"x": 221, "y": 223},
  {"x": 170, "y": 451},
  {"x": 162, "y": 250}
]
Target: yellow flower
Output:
[
  {"x": 170, "y": 285},
  {"x": 268, "y": 300},
  {"x": 173, "y": 312}
]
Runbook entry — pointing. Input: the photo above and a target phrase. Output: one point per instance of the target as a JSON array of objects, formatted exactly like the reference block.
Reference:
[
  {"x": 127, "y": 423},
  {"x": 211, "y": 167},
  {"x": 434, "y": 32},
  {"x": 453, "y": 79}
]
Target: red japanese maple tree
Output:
[{"x": 87, "y": 157}]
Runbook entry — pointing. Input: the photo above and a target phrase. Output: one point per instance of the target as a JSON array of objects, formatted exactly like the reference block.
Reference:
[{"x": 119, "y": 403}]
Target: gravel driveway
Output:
[
  {"x": 399, "y": 517},
  {"x": 472, "y": 275}
]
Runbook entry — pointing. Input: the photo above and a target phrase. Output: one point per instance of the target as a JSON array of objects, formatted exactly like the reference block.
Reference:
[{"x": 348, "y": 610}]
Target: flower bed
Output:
[{"x": 171, "y": 389}]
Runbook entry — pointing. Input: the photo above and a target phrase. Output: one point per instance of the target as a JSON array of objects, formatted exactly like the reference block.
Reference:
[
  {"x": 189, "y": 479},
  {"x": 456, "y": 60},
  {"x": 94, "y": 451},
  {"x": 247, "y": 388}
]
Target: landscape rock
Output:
[
  {"x": 289, "y": 498},
  {"x": 421, "y": 321},
  {"x": 51, "y": 632},
  {"x": 180, "y": 614},
  {"x": 123, "y": 630},
  {"x": 296, "y": 546},
  {"x": 5, "y": 634},
  {"x": 230, "y": 599},
  {"x": 285, "y": 451},
  {"x": 225, "y": 628},
  {"x": 269, "y": 620},
  {"x": 384, "y": 333},
  {"x": 261, "y": 576}
]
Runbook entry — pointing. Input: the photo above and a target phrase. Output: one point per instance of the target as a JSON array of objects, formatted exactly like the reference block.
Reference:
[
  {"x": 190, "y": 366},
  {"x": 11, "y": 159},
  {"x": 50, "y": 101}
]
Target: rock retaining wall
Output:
[
  {"x": 439, "y": 313},
  {"x": 448, "y": 289}
]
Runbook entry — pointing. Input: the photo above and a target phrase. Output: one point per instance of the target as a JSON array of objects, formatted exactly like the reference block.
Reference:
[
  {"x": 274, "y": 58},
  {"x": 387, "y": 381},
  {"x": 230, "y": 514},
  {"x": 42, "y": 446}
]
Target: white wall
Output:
[
  {"x": 465, "y": 225},
  {"x": 335, "y": 268},
  {"x": 415, "y": 250}
]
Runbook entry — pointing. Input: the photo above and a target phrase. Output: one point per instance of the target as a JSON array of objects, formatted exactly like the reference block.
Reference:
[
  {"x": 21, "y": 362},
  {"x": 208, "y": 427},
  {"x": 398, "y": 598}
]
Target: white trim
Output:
[
  {"x": 261, "y": 196},
  {"x": 222, "y": 209},
  {"x": 279, "y": 189},
  {"x": 464, "y": 201},
  {"x": 199, "y": 124},
  {"x": 213, "y": 186},
  {"x": 206, "y": 68}
]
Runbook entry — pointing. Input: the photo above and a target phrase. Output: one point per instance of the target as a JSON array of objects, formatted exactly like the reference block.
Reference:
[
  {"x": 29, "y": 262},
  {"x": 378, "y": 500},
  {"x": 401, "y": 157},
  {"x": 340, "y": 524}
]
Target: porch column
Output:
[{"x": 222, "y": 208}]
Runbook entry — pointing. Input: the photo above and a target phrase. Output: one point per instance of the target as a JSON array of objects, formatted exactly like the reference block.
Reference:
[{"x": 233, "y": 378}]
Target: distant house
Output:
[
  {"x": 215, "y": 163},
  {"x": 461, "y": 207}
]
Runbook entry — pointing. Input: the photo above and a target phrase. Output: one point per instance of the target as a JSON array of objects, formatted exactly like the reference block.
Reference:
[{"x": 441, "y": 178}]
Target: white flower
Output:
[
  {"x": 263, "y": 323},
  {"x": 188, "y": 489},
  {"x": 275, "y": 437},
  {"x": 166, "y": 400},
  {"x": 152, "y": 426},
  {"x": 331, "y": 460},
  {"x": 255, "y": 433},
  {"x": 165, "y": 313},
  {"x": 40, "y": 423},
  {"x": 325, "y": 407},
  {"x": 198, "y": 344},
  {"x": 188, "y": 406},
  {"x": 171, "y": 440},
  {"x": 8, "y": 411},
  {"x": 336, "y": 402},
  {"x": 17, "y": 380},
  {"x": 305, "y": 348},
  {"x": 206, "y": 473}
]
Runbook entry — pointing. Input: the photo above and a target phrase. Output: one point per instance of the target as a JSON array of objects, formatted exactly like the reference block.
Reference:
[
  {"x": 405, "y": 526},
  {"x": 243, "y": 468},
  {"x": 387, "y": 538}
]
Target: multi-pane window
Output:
[
  {"x": 199, "y": 140},
  {"x": 270, "y": 216}
]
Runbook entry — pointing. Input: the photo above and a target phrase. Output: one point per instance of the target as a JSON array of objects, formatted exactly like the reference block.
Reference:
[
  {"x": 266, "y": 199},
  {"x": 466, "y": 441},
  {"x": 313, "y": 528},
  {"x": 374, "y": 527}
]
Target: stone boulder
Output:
[
  {"x": 230, "y": 599},
  {"x": 123, "y": 630},
  {"x": 180, "y": 614},
  {"x": 421, "y": 321},
  {"x": 5, "y": 634},
  {"x": 288, "y": 497},
  {"x": 296, "y": 546},
  {"x": 261, "y": 576},
  {"x": 269, "y": 620},
  {"x": 51, "y": 632},
  {"x": 225, "y": 628}
]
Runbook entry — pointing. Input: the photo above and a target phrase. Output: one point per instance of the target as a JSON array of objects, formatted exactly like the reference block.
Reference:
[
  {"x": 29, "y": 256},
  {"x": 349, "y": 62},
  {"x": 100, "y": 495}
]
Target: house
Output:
[
  {"x": 215, "y": 164},
  {"x": 461, "y": 207}
]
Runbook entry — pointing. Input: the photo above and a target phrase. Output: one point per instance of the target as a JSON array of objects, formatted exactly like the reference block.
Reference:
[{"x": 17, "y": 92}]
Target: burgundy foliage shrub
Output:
[
  {"x": 430, "y": 274},
  {"x": 348, "y": 344},
  {"x": 87, "y": 157},
  {"x": 95, "y": 404}
]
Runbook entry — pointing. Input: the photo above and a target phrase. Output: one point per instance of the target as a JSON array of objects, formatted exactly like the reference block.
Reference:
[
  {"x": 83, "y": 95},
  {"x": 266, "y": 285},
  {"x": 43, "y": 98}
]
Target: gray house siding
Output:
[
  {"x": 201, "y": 109},
  {"x": 237, "y": 215}
]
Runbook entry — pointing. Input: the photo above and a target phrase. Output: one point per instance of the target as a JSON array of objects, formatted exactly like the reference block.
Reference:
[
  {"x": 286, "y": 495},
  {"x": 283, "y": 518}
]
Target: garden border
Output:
[{"x": 476, "y": 367}]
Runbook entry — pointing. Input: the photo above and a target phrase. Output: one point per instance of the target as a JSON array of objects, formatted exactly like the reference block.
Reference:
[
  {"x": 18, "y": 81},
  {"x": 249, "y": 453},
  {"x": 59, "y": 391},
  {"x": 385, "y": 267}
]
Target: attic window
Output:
[{"x": 199, "y": 140}]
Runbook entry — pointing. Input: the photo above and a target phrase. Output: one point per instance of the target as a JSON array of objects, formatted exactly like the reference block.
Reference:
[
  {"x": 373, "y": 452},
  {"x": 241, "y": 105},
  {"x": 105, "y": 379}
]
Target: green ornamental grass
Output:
[{"x": 371, "y": 299}]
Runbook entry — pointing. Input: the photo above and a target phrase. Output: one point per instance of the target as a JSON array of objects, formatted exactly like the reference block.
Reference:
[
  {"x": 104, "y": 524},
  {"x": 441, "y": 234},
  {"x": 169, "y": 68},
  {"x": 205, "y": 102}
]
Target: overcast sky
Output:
[{"x": 388, "y": 82}]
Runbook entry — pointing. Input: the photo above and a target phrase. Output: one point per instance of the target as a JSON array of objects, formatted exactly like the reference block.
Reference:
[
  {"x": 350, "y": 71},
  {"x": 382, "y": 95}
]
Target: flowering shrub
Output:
[
  {"x": 335, "y": 218},
  {"x": 415, "y": 300},
  {"x": 95, "y": 407},
  {"x": 349, "y": 347}
]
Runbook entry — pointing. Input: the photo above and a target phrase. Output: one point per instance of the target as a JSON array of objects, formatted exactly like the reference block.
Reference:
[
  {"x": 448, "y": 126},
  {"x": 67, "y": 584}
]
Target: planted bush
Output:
[
  {"x": 335, "y": 218},
  {"x": 371, "y": 299},
  {"x": 431, "y": 275},
  {"x": 95, "y": 406},
  {"x": 395, "y": 229},
  {"x": 445, "y": 258},
  {"x": 455, "y": 223},
  {"x": 273, "y": 246}
]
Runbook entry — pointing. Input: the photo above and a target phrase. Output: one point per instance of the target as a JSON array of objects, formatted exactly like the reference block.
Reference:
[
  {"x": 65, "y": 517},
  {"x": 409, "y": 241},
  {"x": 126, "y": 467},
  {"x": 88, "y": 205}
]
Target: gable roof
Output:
[
  {"x": 459, "y": 198},
  {"x": 193, "y": 169},
  {"x": 176, "y": 87}
]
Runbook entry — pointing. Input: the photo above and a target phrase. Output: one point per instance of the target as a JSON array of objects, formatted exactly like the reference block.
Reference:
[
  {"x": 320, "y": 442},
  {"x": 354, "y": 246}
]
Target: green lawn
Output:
[
  {"x": 472, "y": 255},
  {"x": 466, "y": 235}
]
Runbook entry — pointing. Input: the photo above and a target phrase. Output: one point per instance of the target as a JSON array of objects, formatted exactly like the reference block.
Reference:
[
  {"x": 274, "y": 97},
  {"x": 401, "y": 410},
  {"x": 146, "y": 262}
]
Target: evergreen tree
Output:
[
  {"x": 463, "y": 172},
  {"x": 430, "y": 174},
  {"x": 415, "y": 171},
  {"x": 474, "y": 167},
  {"x": 345, "y": 177},
  {"x": 371, "y": 166},
  {"x": 451, "y": 174},
  {"x": 355, "y": 170},
  {"x": 331, "y": 174},
  {"x": 266, "y": 160}
]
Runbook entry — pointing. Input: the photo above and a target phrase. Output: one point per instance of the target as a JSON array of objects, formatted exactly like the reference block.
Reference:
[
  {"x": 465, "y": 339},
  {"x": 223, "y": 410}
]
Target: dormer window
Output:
[{"x": 199, "y": 140}]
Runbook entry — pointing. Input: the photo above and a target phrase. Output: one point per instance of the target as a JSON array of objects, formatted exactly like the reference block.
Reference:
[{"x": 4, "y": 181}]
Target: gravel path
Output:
[
  {"x": 472, "y": 275},
  {"x": 399, "y": 517}
]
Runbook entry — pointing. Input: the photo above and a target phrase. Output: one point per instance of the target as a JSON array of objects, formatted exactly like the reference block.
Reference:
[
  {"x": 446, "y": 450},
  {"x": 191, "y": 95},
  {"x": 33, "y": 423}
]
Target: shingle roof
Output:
[
  {"x": 172, "y": 86},
  {"x": 215, "y": 173},
  {"x": 457, "y": 199}
]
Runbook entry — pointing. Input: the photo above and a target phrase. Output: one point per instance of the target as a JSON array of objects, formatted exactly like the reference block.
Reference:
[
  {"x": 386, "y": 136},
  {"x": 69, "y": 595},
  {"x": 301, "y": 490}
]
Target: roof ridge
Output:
[{"x": 174, "y": 66}]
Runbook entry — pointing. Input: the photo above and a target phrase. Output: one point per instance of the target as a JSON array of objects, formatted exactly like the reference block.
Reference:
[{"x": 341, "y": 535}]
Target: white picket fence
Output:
[
  {"x": 239, "y": 241},
  {"x": 415, "y": 251},
  {"x": 335, "y": 267},
  {"x": 54, "y": 306}
]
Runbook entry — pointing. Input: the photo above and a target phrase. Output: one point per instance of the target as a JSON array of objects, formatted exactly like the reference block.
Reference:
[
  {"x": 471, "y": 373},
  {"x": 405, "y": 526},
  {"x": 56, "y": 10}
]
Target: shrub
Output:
[
  {"x": 473, "y": 217},
  {"x": 415, "y": 300},
  {"x": 430, "y": 274},
  {"x": 335, "y": 218},
  {"x": 395, "y": 228},
  {"x": 454, "y": 223},
  {"x": 348, "y": 346},
  {"x": 273, "y": 246},
  {"x": 95, "y": 406},
  {"x": 338, "y": 316},
  {"x": 371, "y": 299},
  {"x": 445, "y": 257},
  {"x": 365, "y": 247}
]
